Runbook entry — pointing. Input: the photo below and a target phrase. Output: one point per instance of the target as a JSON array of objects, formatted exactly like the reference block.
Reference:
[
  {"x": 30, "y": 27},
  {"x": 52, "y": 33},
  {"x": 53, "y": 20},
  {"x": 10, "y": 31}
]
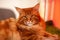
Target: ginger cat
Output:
[
  {"x": 30, "y": 25},
  {"x": 30, "y": 17}
]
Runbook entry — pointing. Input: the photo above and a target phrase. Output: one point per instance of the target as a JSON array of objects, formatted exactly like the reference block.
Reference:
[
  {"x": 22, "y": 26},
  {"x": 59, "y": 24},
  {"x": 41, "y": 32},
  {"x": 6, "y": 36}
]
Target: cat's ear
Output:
[
  {"x": 36, "y": 7},
  {"x": 19, "y": 9}
]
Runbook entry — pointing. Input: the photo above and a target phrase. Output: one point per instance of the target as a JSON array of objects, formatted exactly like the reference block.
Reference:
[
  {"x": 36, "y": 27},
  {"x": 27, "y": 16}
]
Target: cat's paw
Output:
[{"x": 11, "y": 23}]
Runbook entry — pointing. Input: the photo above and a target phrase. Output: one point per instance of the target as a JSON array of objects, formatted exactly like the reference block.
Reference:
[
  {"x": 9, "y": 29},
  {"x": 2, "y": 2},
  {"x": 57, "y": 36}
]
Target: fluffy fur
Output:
[
  {"x": 30, "y": 25},
  {"x": 8, "y": 30}
]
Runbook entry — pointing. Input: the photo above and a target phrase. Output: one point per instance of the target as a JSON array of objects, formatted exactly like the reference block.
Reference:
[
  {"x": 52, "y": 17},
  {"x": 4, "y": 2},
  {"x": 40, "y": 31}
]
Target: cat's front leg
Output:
[{"x": 13, "y": 34}]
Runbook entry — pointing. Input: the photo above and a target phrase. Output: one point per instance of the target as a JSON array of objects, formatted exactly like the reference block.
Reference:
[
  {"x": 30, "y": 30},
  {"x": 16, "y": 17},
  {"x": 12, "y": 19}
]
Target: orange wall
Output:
[
  {"x": 56, "y": 15},
  {"x": 49, "y": 9}
]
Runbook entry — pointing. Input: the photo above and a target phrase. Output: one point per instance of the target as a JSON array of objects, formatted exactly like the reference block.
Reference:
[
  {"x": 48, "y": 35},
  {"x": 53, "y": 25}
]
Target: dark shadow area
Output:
[
  {"x": 51, "y": 28},
  {"x": 6, "y": 13},
  {"x": 49, "y": 23}
]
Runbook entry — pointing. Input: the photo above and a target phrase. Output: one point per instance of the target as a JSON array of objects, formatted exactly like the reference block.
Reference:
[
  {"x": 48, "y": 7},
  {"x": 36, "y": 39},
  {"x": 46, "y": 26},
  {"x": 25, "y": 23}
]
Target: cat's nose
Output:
[{"x": 29, "y": 23}]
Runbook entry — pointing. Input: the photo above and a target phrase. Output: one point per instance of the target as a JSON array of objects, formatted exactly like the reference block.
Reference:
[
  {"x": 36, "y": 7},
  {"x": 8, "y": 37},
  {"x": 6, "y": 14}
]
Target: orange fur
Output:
[
  {"x": 10, "y": 29},
  {"x": 34, "y": 10},
  {"x": 34, "y": 31}
]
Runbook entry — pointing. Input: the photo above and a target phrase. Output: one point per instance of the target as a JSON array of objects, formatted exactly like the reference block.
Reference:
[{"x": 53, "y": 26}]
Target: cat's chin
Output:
[{"x": 28, "y": 27}]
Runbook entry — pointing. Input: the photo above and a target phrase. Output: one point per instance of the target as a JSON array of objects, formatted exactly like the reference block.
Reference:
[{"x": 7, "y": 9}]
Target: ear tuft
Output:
[
  {"x": 37, "y": 6},
  {"x": 18, "y": 9}
]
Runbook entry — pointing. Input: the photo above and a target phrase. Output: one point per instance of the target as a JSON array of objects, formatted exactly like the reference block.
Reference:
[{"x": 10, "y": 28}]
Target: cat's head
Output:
[{"x": 29, "y": 16}]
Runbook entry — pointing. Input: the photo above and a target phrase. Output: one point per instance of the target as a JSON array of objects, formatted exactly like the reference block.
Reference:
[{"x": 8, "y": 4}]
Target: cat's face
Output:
[
  {"x": 29, "y": 20},
  {"x": 29, "y": 16}
]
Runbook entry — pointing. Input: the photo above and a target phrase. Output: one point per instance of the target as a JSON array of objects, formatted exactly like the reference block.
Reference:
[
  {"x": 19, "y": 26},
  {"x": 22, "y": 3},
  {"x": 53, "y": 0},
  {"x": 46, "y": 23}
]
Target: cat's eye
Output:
[
  {"x": 24, "y": 17},
  {"x": 35, "y": 19}
]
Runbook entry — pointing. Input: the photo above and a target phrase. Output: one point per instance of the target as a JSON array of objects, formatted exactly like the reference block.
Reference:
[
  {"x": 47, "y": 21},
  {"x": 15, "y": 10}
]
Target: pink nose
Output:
[{"x": 29, "y": 23}]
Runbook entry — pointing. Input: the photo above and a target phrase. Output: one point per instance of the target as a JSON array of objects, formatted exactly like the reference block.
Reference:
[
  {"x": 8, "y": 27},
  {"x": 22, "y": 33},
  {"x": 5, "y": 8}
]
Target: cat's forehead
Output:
[
  {"x": 27, "y": 9},
  {"x": 30, "y": 11}
]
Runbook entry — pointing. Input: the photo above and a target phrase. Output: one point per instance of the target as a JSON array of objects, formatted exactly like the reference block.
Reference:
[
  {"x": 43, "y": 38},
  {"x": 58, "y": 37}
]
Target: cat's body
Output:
[
  {"x": 8, "y": 30},
  {"x": 29, "y": 26},
  {"x": 3, "y": 30},
  {"x": 13, "y": 34}
]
